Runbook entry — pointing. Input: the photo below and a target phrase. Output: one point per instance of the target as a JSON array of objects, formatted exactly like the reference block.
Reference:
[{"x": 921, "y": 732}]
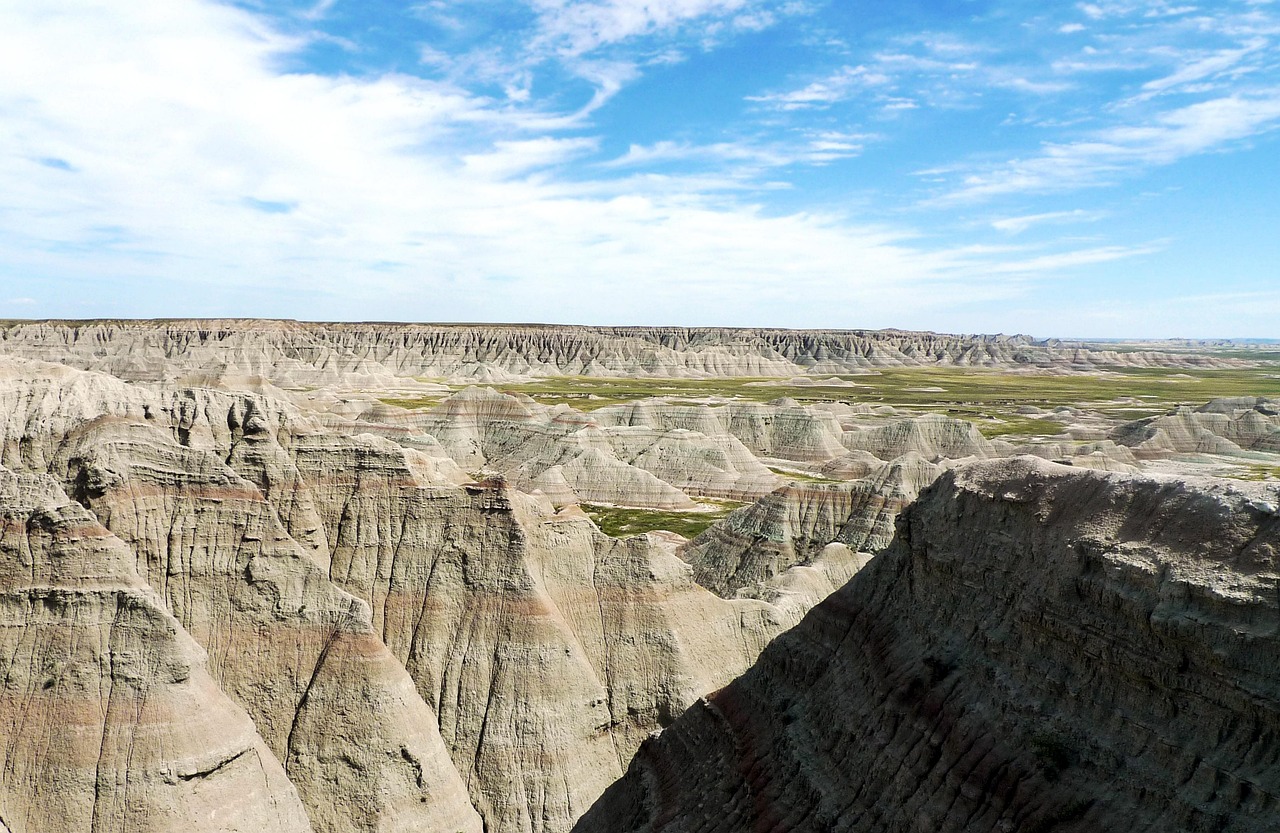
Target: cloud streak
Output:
[
  {"x": 202, "y": 173},
  {"x": 1123, "y": 150}
]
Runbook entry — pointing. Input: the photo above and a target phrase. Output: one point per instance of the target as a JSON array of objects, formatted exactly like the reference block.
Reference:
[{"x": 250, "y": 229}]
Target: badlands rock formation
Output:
[
  {"x": 594, "y": 457},
  {"x": 407, "y": 648},
  {"x": 109, "y": 717},
  {"x": 794, "y": 526},
  {"x": 1042, "y": 648},
  {"x": 228, "y": 606},
  {"x": 931, "y": 436},
  {"x": 1223, "y": 426},
  {"x": 291, "y": 353}
]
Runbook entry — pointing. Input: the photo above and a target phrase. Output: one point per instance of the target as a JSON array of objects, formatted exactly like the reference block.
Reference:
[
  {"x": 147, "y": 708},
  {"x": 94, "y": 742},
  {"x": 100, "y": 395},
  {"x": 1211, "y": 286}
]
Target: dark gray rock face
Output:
[{"x": 1041, "y": 649}]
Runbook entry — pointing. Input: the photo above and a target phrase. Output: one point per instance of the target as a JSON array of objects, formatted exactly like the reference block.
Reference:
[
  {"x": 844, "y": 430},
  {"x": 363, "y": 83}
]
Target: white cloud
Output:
[
  {"x": 512, "y": 158},
  {"x": 1210, "y": 65},
  {"x": 1080, "y": 257},
  {"x": 838, "y": 86},
  {"x": 1170, "y": 136},
  {"x": 1017, "y": 225},
  {"x": 573, "y": 27},
  {"x": 747, "y": 159},
  {"x": 193, "y": 176}
]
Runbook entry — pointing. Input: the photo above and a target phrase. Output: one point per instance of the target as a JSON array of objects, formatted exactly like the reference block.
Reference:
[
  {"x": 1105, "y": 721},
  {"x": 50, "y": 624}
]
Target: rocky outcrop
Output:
[
  {"x": 931, "y": 436},
  {"x": 291, "y": 353},
  {"x": 287, "y": 645},
  {"x": 1104, "y": 455},
  {"x": 1042, "y": 649},
  {"x": 790, "y": 528},
  {"x": 783, "y": 430},
  {"x": 298, "y": 653},
  {"x": 547, "y": 649},
  {"x": 1223, "y": 426},
  {"x": 406, "y": 647},
  {"x": 573, "y": 456},
  {"x": 109, "y": 718}
]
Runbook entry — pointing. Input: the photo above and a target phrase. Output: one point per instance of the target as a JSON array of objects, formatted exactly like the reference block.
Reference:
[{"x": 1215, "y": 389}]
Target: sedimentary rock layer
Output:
[
  {"x": 109, "y": 719},
  {"x": 1222, "y": 426},
  {"x": 1042, "y": 649},
  {"x": 294, "y": 353},
  {"x": 792, "y": 526},
  {"x": 406, "y": 647}
]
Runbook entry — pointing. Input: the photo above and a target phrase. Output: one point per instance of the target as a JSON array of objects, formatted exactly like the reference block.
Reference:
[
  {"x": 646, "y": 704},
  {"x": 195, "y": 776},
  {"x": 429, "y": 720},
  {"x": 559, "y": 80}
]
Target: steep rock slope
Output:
[
  {"x": 1042, "y": 649},
  {"x": 548, "y": 650},
  {"x": 539, "y": 652},
  {"x": 108, "y": 717},
  {"x": 297, "y": 652},
  {"x": 1222, "y": 426},
  {"x": 285, "y": 643},
  {"x": 794, "y": 524},
  {"x": 291, "y": 353}
]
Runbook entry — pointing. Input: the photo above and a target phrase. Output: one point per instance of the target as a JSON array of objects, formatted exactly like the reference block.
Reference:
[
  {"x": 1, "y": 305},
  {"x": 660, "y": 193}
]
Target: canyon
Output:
[{"x": 356, "y": 577}]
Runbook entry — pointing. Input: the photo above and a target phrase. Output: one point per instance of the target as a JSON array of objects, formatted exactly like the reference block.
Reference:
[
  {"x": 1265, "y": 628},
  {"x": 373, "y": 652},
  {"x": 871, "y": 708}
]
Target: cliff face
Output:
[
  {"x": 794, "y": 525},
  {"x": 407, "y": 648},
  {"x": 293, "y": 353},
  {"x": 109, "y": 716},
  {"x": 1042, "y": 648}
]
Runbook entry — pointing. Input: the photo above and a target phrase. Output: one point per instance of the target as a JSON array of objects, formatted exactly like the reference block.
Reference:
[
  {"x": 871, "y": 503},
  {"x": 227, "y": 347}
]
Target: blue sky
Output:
[{"x": 1101, "y": 169}]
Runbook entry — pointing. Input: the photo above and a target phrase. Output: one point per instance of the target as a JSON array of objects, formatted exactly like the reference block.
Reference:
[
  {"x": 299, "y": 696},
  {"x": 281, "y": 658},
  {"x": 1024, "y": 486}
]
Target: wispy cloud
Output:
[
  {"x": 1118, "y": 151},
  {"x": 1017, "y": 225},
  {"x": 513, "y": 158},
  {"x": 1198, "y": 69},
  {"x": 579, "y": 28},
  {"x": 748, "y": 158},
  {"x": 205, "y": 174},
  {"x": 1078, "y": 257},
  {"x": 941, "y": 70},
  {"x": 838, "y": 86}
]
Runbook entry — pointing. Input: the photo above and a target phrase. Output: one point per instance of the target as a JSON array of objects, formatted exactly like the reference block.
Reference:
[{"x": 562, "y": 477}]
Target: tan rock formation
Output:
[
  {"x": 291, "y": 354},
  {"x": 291, "y": 648},
  {"x": 786, "y": 430},
  {"x": 932, "y": 436},
  {"x": 792, "y": 526},
  {"x": 108, "y": 716},
  {"x": 548, "y": 650},
  {"x": 1103, "y": 455},
  {"x": 1043, "y": 648},
  {"x": 1223, "y": 426},
  {"x": 575, "y": 456},
  {"x": 296, "y": 652},
  {"x": 539, "y": 652}
]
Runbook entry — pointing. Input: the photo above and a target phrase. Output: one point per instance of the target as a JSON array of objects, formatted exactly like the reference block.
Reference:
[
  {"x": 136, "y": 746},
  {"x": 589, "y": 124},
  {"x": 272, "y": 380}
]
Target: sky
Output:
[{"x": 1101, "y": 169}]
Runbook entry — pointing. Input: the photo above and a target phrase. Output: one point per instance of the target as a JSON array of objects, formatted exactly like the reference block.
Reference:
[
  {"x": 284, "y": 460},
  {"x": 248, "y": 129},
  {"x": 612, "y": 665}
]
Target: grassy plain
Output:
[
  {"x": 990, "y": 398},
  {"x": 621, "y": 522}
]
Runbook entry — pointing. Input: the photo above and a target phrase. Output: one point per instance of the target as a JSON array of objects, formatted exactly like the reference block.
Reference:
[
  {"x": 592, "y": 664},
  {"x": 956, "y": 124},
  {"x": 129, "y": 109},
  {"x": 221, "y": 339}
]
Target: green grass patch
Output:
[
  {"x": 1256, "y": 471},
  {"x": 622, "y": 522},
  {"x": 1020, "y": 426},
  {"x": 968, "y": 393},
  {"x": 412, "y": 403}
]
